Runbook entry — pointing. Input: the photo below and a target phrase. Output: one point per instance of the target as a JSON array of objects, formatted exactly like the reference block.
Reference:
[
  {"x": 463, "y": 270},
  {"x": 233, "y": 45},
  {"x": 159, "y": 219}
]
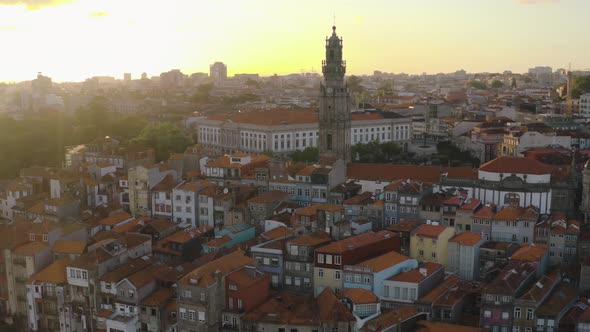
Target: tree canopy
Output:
[
  {"x": 375, "y": 152},
  {"x": 496, "y": 84},
  {"x": 165, "y": 138},
  {"x": 478, "y": 85},
  {"x": 308, "y": 155},
  {"x": 581, "y": 85}
]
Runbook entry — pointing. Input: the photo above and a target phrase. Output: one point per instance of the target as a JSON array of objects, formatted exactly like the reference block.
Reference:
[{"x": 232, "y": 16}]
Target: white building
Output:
[
  {"x": 284, "y": 131},
  {"x": 585, "y": 105}
]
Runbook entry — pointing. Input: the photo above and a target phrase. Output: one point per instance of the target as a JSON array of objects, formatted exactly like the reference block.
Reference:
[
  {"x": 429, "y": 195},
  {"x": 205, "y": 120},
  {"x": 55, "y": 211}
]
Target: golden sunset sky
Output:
[{"x": 75, "y": 39}]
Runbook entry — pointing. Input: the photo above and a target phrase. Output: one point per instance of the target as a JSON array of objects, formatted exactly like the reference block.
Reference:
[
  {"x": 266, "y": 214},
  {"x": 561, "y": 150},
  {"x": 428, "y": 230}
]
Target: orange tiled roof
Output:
[
  {"x": 517, "y": 213},
  {"x": 274, "y": 117},
  {"x": 516, "y": 165},
  {"x": 54, "y": 273},
  {"x": 466, "y": 238},
  {"x": 439, "y": 290},
  {"x": 431, "y": 231},
  {"x": 217, "y": 242},
  {"x": 330, "y": 309},
  {"x": 31, "y": 248},
  {"x": 355, "y": 242},
  {"x": 389, "y": 318},
  {"x": 530, "y": 252},
  {"x": 384, "y": 261},
  {"x": 277, "y": 232},
  {"x": 414, "y": 275},
  {"x": 115, "y": 218},
  {"x": 69, "y": 247},
  {"x": 312, "y": 239},
  {"x": 313, "y": 209},
  {"x": 158, "y": 298},
  {"x": 360, "y": 295},
  {"x": 470, "y": 204},
  {"x": 204, "y": 275},
  {"x": 428, "y": 326},
  {"x": 196, "y": 185},
  {"x": 392, "y": 172},
  {"x": 225, "y": 161}
]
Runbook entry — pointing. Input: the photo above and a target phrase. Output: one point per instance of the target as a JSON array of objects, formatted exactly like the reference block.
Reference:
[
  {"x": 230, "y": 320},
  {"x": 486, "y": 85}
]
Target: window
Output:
[
  {"x": 231, "y": 287},
  {"x": 321, "y": 258},
  {"x": 186, "y": 294},
  {"x": 45, "y": 238},
  {"x": 337, "y": 260},
  {"x": 297, "y": 281},
  {"x": 230, "y": 303},
  {"x": 201, "y": 316},
  {"x": 203, "y": 296},
  {"x": 287, "y": 280},
  {"x": 529, "y": 314},
  {"x": 487, "y": 314},
  {"x": 320, "y": 273},
  {"x": 328, "y": 259},
  {"x": 306, "y": 282},
  {"x": 240, "y": 304},
  {"x": 505, "y": 315},
  {"x": 84, "y": 275},
  {"x": 192, "y": 315},
  {"x": 274, "y": 262},
  {"x": 517, "y": 313},
  {"x": 337, "y": 275}
]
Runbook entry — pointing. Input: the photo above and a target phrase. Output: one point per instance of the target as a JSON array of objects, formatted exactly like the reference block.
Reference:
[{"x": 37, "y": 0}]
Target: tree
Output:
[
  {"x": 496, "y": 84},
  {"x": 580, "y": 85},
  {"x": 308, "y": 155},
  {"x": 478, "y": 85},
  {"x": 375, "y": 152},
  {"x": 354, "y": 85},
  {"x": 164, "y": 137},
  {"x": 513, "y": 84},
  {"x": 202, "y": 95},
  {"x": 252, "y": 84}
]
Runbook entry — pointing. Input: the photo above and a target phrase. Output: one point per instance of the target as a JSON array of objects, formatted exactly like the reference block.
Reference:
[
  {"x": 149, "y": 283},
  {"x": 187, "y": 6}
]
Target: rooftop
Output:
[
  {"x": 384, "y": 261},
  {"x": 355, "y": 242},
  {"x": 205, "y": 275},
  {"x": 417, "y": 275},
  {"x": 466, "y": 239},
  {"x": 360, "y": 295},
  {"x": 516, "y": 165},
  {"x": 431, "y": 231}
]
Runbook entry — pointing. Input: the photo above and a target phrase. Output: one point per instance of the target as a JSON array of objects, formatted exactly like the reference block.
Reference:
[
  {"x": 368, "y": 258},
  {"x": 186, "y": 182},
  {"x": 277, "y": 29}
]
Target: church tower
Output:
[{"x": 335, "y": 102}]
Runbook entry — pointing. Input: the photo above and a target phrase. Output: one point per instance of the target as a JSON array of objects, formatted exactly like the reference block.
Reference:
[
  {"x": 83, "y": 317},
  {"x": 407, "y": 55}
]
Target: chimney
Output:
[{"x": 423, "y": 271}]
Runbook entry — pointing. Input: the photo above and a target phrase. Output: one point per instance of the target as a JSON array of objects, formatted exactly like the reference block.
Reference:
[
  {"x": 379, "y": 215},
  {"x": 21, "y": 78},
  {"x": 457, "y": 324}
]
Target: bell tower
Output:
[{"x": 335, "y": 102}]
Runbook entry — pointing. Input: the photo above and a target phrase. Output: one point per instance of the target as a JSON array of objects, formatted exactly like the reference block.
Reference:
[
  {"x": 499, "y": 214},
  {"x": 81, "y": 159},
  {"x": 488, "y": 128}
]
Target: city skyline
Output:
[{"x": 76, "y": 39}]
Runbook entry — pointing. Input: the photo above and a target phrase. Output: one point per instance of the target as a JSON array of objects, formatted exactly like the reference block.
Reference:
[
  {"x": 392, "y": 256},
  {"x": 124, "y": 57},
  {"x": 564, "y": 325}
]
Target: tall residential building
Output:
[
  {"x": 585, "y": 105},
  {"x": 334, "y": 139},
  {"x": 218, "y": 71}
]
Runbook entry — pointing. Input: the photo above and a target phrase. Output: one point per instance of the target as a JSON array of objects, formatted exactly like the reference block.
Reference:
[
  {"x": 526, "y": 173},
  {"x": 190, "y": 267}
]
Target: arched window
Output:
[{"x": 512, "y": 199}]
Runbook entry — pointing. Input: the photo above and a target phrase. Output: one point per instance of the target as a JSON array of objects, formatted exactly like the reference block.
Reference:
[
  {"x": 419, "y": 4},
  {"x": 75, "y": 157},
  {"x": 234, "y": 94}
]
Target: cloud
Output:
[
  {"x": 536, "y": 2},
  {"x": 99, "y": 14},
  {"x": 33, "y": 4}
]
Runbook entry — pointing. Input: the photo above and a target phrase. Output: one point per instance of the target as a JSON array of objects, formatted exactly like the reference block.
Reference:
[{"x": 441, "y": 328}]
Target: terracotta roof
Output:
[
  {"x": 128, "y": 269},
  {"x": 204, "y": 275},
  {"x": 356, "y": 242},
  {"x": 225, "y": 161},
  {"x": 196, "y": 185},
  {"x": 470, "y": 204},
  {"x": 530, "y": 252},
  {"x": 158, "y": 298},
  {"x": 161, "y": 225},
  {"x": 167, "y": 184},
  {"x": 115, "y": 218},
  {"x": 54, "y": 273},
  {"x": 429, "y": 326},
  {"x": 431, "y": 231},
  {"x": 313, "y": 209},
  {"x": 467, "y": 239},
  {"x": 364, "y": 198},
  {"x": 219, "y": 241},
  {"x": 312, "y": 239},
  {"x": 536, "y": 293},
  {"x": 561, "y": 296},
  {"x": 405, "y": 226},
  {"x": 360, "y": 295},
  {"x": 133, "y": 225},
  {"x": 511, "y": 279},
  {"x": 185, "y": 235},
  {"x": 287, "y": 308},
  {"x": 384, "y": 261},
  {"x": 270, "y": 196},
  {"x": 306, "y": 171},
  {"x": 274, "y": 117},
  {"x": 31, "y": 248},
  {"x": 516, "y": 165},
  {"x": 517, "y": 213},
  {"x": 143, "y": 277},
  {"x": 392, "y": 172},
  {"x": 439, "y": 290},
  {"x": 389, "y": 318},
  {"x": 244, "y": 277},
  {"x": 277, "y": 232},
  {"x": 69, "y": 247},
  {"x": 415, "y": 275},
  {"x": 330, "y": 309},
  {"x": 487, "y": 211}
]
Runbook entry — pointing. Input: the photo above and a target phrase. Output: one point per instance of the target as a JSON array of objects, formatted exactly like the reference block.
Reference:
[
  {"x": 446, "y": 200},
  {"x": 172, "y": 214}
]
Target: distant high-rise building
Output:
[
  {"x": 218, "y": 71},
  {"x": 127, "y": 76},
  {"x": 41, "y": 85},
  {"x": 173, "y": 79},
  {"x": 144, "y": 76},
  {"x": 335, "y": 102}
]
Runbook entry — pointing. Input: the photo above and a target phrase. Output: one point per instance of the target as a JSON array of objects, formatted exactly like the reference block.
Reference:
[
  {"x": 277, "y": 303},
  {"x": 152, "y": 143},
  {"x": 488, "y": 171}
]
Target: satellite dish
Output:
[{"x": 225, "y": 190}]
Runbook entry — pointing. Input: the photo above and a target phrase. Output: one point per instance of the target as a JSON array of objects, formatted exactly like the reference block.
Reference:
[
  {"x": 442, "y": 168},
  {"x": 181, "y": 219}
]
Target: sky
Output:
[{"x": 70, "y": 40}]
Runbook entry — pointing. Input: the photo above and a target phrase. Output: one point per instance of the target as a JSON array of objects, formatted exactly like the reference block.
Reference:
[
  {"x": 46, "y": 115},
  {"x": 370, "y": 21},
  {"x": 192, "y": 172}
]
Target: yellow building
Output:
[{"x": 428, "y": 243}]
